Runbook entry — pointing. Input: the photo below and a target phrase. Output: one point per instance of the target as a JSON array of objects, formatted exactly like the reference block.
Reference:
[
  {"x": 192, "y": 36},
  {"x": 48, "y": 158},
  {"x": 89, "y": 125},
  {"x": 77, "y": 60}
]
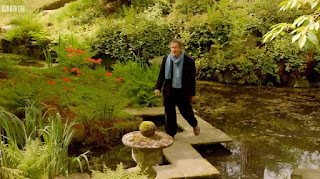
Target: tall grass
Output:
[{"x": 18, "y": 141}]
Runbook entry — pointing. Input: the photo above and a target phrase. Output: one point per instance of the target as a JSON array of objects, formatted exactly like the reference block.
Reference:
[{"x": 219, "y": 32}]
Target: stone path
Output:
[
  {"x": 189, "y": 163},
  {"x": 305, "y": 173}
]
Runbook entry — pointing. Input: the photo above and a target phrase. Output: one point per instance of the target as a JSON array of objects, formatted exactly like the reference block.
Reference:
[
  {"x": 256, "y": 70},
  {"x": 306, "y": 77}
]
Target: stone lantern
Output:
[{"x": 147, "y": 145}]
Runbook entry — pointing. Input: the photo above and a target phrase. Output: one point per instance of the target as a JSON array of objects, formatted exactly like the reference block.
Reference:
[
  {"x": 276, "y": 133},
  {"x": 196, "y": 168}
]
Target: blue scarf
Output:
[{"x": 177, "y": 69}]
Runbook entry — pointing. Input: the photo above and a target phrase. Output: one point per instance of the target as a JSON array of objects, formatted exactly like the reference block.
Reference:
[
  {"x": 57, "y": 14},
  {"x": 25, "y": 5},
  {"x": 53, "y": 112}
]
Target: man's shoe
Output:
[{"x": 196, "y": 130}]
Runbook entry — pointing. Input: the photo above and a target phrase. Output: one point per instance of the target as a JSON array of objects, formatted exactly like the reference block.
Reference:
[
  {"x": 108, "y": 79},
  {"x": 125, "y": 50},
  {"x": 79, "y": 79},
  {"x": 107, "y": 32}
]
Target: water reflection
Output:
[{"x": 275, "y": 130}]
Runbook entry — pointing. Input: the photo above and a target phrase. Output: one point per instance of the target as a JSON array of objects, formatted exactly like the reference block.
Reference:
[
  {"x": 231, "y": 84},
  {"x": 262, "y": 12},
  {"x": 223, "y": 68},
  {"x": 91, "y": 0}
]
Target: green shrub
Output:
[
  {"x": 191, "y": 6},
  {"x": 29, "y": 35},
  {"x": 139, "y": 82},
  {"x": 120, "y": 172},
  {"x": 36, "y": 159},
  {"x": 142, "y": 35}
]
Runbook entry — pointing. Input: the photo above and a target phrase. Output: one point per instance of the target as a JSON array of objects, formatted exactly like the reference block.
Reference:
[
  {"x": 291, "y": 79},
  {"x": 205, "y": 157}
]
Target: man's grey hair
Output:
[{"x": 178, "y": 41}]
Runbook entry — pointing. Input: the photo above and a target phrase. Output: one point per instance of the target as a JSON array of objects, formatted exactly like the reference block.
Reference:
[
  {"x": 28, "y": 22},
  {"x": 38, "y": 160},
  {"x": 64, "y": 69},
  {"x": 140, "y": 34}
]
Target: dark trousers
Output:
[{"x": 177, "y": 97}]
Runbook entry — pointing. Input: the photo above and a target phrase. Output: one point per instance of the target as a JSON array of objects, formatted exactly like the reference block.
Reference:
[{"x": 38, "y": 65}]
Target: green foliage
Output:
[
  {"x": 28, "y": 33},
  {"x": 120, "y": 172},
  {"x": 37, "y": 159},
  {"x": 225, "y": 23},
  {"x": 71, "y": 53},
  {"x": 192, "y": 6},
  {"x": 143, "y": 35},
  {"x": 304, "y": 27},
  {"x": 139, "y": 81},
  {"x": 142, "y": 4},
  {"x": 264, "y": 11},
  {"x": 282, "y": 49},
  {"x": 33, "y": 159},
  {"x": 6, "y": 65}
]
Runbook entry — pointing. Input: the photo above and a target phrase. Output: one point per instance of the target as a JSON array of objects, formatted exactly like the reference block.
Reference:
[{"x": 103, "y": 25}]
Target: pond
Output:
[{"x": 275, "y": 130}]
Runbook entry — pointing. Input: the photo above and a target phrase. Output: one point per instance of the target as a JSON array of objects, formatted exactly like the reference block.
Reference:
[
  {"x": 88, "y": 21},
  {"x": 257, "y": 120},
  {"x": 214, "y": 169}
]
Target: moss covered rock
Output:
[{"x": 147, "y": 128}]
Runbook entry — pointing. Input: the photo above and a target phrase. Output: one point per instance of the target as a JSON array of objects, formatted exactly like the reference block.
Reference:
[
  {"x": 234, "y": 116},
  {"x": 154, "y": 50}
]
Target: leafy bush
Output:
[
  {"x": 29, "y": 35},
  {"x": 141, "y": 35},
  {"x": 192, "y": 6},
  {"x": 120, "y": 172},
  {"x": 139, "y": 81},
  {"x": 36, "y": 159}
]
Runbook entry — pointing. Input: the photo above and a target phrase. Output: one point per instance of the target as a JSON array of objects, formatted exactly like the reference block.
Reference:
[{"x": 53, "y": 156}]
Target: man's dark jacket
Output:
[{"x": 188, "y": 78}]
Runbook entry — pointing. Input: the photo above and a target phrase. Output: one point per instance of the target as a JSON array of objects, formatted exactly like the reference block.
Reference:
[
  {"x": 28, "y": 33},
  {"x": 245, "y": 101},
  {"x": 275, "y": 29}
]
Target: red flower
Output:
[
  {"x": 77, "y": 54},
  {"x": 74, "y": 69},
  {"x": 65, "y": 69},
  {"x": 119, "y": 79},
  {"x": 66, "y": 79},
  {"x": 98, "y": 61},
  {"x": 65, "y": 89},
  {"x": 72, "y": 76},
  {"x": 48, "y": 82},
  {"x": 40, "y": 89},
  {"x": 91, "y": 76},
  {"x": 69, "y": 49},
  {"x": 69, "y": 55},
  {"x": 53, "y": 82},
  {"x": 74, "y": 90},
  {"x": 33, "y": 75},
  {"x": 27, "y": 73},
  {"x": 78, "y": 75},
  {"x": 108, "y": 74}
]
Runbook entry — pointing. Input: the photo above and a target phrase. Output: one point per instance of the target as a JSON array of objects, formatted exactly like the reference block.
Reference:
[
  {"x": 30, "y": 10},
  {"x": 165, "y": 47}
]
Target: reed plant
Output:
[{"x": 19, "y": 139}]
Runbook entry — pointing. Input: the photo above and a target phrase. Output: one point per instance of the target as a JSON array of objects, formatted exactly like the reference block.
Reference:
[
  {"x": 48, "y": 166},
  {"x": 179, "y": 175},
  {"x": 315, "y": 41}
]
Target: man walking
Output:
[{"x": 178, "y": 74}]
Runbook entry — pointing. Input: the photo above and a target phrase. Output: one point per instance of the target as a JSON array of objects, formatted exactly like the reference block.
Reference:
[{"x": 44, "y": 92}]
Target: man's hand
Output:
[
  {"x": 157, "y": 92},
  {"x": 192, "y": 98}
]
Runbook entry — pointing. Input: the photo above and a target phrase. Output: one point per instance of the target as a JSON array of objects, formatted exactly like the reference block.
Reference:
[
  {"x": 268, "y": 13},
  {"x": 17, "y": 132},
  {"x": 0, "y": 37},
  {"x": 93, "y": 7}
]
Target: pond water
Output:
[{"x": 275, "y": 130}]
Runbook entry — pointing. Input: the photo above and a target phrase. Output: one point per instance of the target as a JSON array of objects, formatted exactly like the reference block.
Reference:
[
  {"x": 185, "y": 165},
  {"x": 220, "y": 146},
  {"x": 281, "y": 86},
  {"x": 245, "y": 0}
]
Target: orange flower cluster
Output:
[
  {"x": 108, "y": 74},
  {"x": 93, "y": 60},
  {"x": 51, "y": 82},
  {"x": 66, "y": 79},
  {"x": 78, "y": 51},
  {"x": 65, "y": 69},
  {"x": 31, "y": 75},
  {"x": 75, "y": 69},
  {"x": 119, "y": 79}
]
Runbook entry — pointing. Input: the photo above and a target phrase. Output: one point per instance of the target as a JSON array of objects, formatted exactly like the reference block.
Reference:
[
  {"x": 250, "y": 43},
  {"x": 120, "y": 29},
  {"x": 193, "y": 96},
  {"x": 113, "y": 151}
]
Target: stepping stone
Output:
[
  {"x": 149, "y": 112},
  {"x": 189, "y": 162},
  {"x": 56, "y": 4},
  {"x": 75, "y": 176},
  {"x": 46, "y": 12},
  {"x": 155, "y": 111},
  {"x": 167, "y": 171},
  {"x": 305, "y": 173},
  {"x": 6, "y": 28},
  {"x": 208, "y": 134}
]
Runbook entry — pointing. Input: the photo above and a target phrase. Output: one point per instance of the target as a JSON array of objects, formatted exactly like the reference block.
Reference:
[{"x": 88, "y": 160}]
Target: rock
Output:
[
  {"x": 303, "y": 83},
  {"x": 6, "y": 28},
  {"x": 56, "y": 5},
  {"x": 305, "y": 173},
  {"x": 46, "y": 12},
  {"x": 147, "y": 128}
]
